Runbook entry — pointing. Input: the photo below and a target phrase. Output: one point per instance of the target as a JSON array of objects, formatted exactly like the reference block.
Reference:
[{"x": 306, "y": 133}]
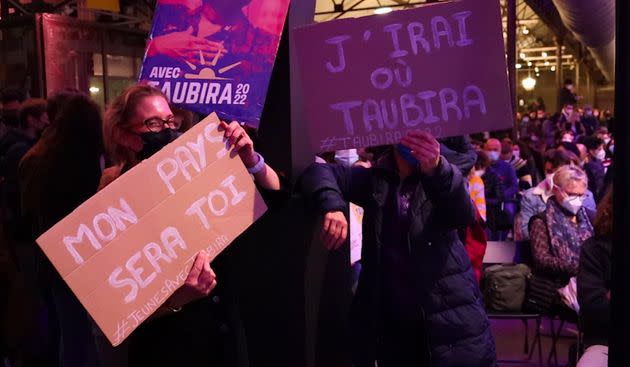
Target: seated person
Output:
[
  {"x": 534, "y": 200},
  {"x": 557, "y": 236}
]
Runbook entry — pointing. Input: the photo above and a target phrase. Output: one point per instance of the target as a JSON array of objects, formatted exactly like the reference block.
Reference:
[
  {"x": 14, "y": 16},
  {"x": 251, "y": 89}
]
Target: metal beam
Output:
[{"x": 540, "y": 49}]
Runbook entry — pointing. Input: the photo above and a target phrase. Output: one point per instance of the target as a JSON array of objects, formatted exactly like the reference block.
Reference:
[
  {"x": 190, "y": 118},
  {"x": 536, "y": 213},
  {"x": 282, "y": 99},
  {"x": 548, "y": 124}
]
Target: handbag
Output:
[
  {"x": 505, "y": 286},
  {"x": 542, "y": 292}
]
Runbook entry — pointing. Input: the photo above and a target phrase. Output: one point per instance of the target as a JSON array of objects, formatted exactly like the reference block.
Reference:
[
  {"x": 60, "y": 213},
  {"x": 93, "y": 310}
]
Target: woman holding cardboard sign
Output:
[{"x": 138, "y": 124}]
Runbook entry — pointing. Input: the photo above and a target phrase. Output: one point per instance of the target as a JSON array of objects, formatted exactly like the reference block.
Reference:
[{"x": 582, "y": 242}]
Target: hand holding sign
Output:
[
  {"x": 200, "y": 282},
  {"x": 425, "y": 148},
  {"x": 243, "y": 145}
]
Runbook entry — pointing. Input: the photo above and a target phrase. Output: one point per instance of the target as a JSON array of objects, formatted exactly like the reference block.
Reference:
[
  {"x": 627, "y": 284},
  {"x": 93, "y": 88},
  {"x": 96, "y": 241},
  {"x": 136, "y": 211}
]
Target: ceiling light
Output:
[
  {"x": 523, "y": 55},
  {"x": 94, "y": 89},
  {"x": 546, "y": 63},
  {"x": 525, "y": 30},
  {"x": 518, "y": 66},
  {"x": 383, "y": 10},
  {"x": 528, "y": 83},
  {"x": 553, "y": 68},
  {"x": 544, "y": 54},
  {"x": 536, "y": 69},
  {"x": 529, "y": 63}
]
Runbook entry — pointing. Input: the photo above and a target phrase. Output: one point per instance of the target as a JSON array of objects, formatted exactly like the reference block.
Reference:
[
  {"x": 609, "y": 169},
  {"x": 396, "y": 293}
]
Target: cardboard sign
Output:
[
  {"x": 356, "y": 233},
  {"x": 216, "y": 56},
  {"x": 127, "y": 249},
  {"x": 439, "y": 68}
]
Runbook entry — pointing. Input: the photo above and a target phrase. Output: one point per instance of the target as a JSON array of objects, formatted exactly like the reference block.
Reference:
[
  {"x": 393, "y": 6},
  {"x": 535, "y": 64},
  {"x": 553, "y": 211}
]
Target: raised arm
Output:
[{"x": 264, "y": 175}]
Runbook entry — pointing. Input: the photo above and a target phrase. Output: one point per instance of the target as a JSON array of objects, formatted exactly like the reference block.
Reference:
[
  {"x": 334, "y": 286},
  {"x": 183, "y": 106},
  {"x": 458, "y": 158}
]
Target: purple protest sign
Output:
[
  {"x": 215, "y": 56},
  {"x": 440, "y": 68}
]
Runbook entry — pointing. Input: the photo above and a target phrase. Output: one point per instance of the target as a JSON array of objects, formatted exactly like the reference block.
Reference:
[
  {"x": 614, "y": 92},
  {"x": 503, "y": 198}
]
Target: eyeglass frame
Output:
[{"x": 164, "y": 124}]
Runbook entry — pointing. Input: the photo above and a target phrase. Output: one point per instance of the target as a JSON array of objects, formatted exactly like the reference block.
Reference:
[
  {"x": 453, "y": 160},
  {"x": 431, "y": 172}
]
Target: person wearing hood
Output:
[{"x": 138, "y": 124}]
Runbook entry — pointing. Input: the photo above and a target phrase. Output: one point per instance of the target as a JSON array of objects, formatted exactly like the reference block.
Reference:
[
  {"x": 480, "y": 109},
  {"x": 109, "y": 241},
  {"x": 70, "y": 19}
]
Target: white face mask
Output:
[
  {"x": 606, "y": 141},
  {"x": 572, "y": 204},
  {"x": 346, "y": 157},
  {"x": 480, "y": 172},
  {"x": 549, "y": 177},
  {"x": 600, "y": 155},
  {"x": 567, "y": 139}
]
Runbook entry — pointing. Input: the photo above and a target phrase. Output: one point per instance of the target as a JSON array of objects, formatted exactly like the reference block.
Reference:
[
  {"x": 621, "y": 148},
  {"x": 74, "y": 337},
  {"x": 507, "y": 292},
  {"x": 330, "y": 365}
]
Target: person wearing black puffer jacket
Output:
[
  {"x": 417, "y": 303},
  {"x": 593, "y": 286}
]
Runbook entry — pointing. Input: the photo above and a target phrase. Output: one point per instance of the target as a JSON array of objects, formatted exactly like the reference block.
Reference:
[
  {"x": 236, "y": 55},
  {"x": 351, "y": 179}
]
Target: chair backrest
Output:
[{"x": 499, "y": 252}]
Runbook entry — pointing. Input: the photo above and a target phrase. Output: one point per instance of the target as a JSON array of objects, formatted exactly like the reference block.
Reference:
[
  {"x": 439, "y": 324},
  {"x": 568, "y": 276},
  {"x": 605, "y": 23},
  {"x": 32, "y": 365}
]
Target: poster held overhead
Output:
[
  {"x": 215, "y": 56},
  {"x": 440, "y": 68},
  {"x": 127, "y": 249}
]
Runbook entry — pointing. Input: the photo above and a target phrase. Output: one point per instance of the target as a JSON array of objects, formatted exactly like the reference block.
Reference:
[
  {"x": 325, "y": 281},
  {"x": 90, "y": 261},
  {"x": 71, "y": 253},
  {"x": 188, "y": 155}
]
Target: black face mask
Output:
[
  {"x": 10, "y": 118},
  {"x": 154, "y": 142}
]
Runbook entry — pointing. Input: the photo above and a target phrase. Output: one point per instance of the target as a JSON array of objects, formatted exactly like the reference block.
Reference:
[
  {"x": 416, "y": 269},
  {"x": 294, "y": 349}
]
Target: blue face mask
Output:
[
  {"x": 405, "y": 153},
  {"x": 493, "y": 155}
]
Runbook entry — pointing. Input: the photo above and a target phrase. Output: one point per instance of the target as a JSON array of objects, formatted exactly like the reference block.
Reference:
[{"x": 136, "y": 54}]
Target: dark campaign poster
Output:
[{"x": 215, "y": 55}]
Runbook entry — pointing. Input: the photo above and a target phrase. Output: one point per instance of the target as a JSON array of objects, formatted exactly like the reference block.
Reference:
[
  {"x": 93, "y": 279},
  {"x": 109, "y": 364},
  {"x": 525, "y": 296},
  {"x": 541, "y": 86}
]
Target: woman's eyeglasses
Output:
[{"x": 156, "y": 124}]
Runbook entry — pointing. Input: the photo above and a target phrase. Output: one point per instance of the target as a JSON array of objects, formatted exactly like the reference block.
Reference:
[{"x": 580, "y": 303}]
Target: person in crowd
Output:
[
  {"x": 569, "y": 147},
  {"x": 604, "y": 134},
  {"x": 32, "y": 120},
  {"x": 589, "y": 122},
  {"x": 593, "y": 286},
  {"x": 567, "y": 137},
  {"x": 474, "y": 238},
  {"x": 511, "y": 153},
  {"x": 523, "y": 146},
  {"x": 525, "y": 128},
  {"x": 414, "y": 200},
  {"x": 475, "y": 183},
  {"x": 608, "y": 121},
  {"x": 501, "y": 209},
  {"x": 569, "y": 120},
  {"x": 583, "y": 154},
  {"x": 558, "y": 233},
  {"x": 138, "y": 124},
  {"x": 59, "y": 173},
  {"x": 567, "y": 94},
  {"x": 548, "y": 131},
  {"x": 11, "y": 100},
  {"x": 595, "y": 167},
  {"x": 534, "y": 201}
]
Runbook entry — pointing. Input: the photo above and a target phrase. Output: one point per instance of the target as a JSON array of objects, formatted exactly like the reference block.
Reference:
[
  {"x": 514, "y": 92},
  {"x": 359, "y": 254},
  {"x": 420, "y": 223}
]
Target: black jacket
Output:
[
  {"x": 593, "y": 283},
  {"x": 457, "y": 328}
]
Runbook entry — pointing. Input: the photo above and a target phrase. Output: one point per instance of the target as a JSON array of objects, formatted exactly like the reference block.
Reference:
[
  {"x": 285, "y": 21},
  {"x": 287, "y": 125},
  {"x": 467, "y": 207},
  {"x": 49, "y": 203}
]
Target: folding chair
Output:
[{"x": 503, "y": 253}]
